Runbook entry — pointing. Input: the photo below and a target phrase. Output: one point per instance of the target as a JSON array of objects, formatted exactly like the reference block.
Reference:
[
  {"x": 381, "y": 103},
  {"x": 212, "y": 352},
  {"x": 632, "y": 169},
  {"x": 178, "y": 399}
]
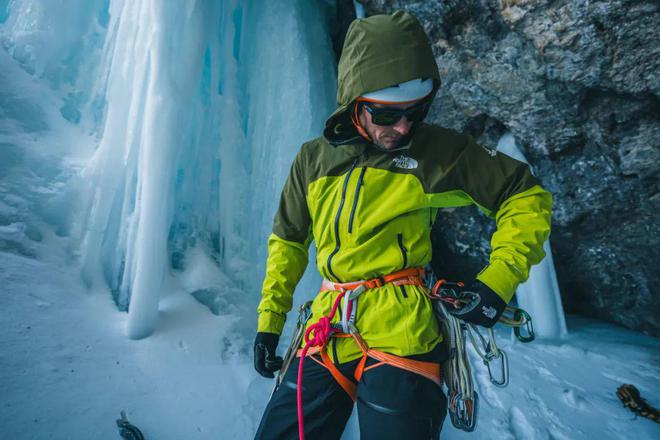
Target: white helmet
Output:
[{"x": 403, "y": 92}]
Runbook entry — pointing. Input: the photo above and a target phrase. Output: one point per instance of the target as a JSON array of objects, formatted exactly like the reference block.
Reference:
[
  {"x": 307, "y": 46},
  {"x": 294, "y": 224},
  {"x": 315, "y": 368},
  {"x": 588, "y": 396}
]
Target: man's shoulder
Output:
[
  {"x": 311, "y": 155},
  {"x": 319, "y": 152},
  {"x": 435, "y": 134},
  {"x": 315, "y": 145}
]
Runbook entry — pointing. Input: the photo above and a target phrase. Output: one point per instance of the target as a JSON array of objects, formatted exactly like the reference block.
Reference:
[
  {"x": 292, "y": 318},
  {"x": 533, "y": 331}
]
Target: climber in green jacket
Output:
[{"x": 367, "y": 192}]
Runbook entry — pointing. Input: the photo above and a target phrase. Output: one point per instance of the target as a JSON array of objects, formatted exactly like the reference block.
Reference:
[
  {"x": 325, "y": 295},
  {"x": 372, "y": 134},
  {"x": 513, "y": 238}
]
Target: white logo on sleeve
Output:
[
  {"x": 492, "y": 152},
  {"x": 490, "y": 312},
  {"x": 405, "y": 162}
]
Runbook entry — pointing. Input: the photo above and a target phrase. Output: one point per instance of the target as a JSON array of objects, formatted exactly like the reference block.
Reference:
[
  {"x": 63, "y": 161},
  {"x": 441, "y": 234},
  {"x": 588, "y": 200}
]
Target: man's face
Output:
[{"x": 386, "y": 136}]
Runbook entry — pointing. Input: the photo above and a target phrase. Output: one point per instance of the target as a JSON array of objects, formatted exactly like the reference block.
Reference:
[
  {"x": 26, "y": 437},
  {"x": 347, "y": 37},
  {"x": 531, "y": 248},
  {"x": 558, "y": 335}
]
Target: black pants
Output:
[{"x": 392, "y": 404}]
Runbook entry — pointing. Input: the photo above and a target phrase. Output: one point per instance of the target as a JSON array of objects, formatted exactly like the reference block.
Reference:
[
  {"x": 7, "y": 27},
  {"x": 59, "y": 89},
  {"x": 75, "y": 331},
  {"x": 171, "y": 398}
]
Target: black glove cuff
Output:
[
  {"x": 265, "y": 361},
  {"x": 485, "y": 310}
]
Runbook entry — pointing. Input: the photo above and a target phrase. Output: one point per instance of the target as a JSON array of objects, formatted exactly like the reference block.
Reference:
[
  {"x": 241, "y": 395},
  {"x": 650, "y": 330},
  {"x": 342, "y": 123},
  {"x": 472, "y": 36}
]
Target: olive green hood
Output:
[{"x": 378, "y": 52}]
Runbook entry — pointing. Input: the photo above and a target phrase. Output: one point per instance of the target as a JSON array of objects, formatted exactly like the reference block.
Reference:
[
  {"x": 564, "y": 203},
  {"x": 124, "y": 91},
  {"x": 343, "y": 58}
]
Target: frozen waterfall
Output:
[{"x": 198, "y": 108}]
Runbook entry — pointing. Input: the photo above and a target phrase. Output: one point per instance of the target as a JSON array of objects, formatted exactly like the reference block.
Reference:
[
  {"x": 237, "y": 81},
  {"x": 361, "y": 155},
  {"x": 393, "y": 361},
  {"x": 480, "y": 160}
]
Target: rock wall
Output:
[{"x": 578, "y": 84}]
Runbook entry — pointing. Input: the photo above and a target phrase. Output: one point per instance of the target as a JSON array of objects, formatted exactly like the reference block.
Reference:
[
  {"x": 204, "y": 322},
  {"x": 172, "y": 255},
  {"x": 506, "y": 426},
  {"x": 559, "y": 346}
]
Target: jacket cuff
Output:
[
  {"x": 501, "y": 278},
  {"x": 271, "y": 322}
]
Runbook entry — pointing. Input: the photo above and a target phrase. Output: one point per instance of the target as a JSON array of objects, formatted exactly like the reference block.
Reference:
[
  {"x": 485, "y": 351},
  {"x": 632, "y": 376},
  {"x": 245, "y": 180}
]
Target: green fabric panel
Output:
[
  {"x": 292, "y": 221},
  {"x": 285, "y": 266},
  {"x": 453, "y": 199},
  {"x": 452, "y": 161}
]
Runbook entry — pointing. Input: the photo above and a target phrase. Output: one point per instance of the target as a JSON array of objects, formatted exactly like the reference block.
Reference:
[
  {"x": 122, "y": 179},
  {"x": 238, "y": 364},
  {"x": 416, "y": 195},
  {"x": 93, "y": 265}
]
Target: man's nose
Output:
[{"x": 402, "y": 126}]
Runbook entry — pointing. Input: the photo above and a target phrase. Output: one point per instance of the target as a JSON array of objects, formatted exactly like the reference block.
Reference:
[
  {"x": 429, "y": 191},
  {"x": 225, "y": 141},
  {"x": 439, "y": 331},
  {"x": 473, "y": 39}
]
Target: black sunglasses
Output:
[{"x": 390, "y": 116}]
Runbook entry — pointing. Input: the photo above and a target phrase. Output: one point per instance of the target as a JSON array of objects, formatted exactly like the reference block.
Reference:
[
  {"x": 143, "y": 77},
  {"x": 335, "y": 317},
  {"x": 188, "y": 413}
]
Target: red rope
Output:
[{"x": 322, "y": 332}]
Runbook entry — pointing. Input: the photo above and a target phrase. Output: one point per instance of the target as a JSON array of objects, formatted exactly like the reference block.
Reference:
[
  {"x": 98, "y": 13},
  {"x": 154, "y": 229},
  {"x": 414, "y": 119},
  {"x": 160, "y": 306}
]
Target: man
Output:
[{"x": 367, "y": 192}]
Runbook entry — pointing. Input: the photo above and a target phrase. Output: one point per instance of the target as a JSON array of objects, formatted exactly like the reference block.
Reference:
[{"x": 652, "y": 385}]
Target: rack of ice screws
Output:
[{"x": 463, "y": 398}]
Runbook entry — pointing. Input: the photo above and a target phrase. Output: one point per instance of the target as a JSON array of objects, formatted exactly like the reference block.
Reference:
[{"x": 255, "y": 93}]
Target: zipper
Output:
[
  {"x": 337, "y": 217},
  {"x": 403, "y": 291},
  {"x": 355, "y": 200},
  {"x": 404, "y": 253},
  {"x": 334, "y": 350}
]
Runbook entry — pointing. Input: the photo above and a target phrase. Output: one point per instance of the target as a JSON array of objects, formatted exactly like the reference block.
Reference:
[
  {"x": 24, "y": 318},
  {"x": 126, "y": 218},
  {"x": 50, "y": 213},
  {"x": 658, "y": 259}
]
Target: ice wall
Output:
[
  {"x": 60, "y": 42},
  {"x": 198, "y": 107},
  {"x": 539, "y": 295},
  {"x": 211, "y": 101}
]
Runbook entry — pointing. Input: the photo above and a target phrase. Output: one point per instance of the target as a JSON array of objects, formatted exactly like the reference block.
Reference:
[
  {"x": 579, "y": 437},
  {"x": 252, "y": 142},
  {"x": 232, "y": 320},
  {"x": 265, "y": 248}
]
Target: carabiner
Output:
[
  {"x": 522, "y": 315},
  {"x": 304, "y": 313},
  {"x": 463, "y": 412},
  {"x": 504, "y": 378}
]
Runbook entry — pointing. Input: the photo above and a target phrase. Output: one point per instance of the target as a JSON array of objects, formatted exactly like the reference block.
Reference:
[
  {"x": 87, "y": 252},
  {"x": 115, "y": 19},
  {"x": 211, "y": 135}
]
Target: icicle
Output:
[
  {"x": 203, "y": 119},
  {"x": 359, "y": 9}
]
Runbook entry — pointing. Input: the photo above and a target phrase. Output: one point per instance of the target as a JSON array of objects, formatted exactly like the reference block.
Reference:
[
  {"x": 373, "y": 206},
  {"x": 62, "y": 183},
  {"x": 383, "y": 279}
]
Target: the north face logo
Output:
[
  {"x": 491, "y": 152},
  {"x": 490, "y": 312},
  {"x": 405, "y": 162}
]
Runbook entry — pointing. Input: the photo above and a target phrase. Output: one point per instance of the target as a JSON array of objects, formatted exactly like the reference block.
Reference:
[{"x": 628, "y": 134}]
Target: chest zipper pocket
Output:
[
  {"x": 404, "y": 252},
  {"x": 355, "y": 199},
  {"x": 404, "y": 255}
]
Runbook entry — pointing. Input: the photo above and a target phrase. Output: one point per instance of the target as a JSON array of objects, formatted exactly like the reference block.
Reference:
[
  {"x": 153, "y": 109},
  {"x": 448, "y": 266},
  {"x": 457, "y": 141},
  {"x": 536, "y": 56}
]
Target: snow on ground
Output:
[
  {"x": 67, "y": 369},
  {"x": 566, "y": 389}
]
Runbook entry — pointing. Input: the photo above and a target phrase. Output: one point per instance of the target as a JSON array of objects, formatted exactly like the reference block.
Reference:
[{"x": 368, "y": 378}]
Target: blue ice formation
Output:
[{"x": 198, "y": 108}]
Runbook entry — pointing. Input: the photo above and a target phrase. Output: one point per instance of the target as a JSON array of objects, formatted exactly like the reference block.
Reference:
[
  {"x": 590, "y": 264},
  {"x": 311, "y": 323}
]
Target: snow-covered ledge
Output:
[{"x": 539, "y": 296}]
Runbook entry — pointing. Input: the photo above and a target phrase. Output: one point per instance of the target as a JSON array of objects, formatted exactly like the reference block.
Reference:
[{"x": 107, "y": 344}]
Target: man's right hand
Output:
[{"x": 265, "y": 361}]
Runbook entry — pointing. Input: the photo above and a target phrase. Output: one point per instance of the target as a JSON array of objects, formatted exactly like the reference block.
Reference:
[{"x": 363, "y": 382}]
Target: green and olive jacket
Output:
[{"x": 370, "y": 211}]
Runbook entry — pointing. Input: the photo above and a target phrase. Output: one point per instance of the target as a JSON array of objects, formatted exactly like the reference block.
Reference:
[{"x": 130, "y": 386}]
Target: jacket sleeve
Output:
[
  {"x": 287, "y": 252},
  {"x": 505, "y": 189}
]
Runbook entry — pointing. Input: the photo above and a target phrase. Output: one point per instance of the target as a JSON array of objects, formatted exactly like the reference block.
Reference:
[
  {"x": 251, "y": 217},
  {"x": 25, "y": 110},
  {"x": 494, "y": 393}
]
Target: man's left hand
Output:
[{"x": 485, "y": 309}]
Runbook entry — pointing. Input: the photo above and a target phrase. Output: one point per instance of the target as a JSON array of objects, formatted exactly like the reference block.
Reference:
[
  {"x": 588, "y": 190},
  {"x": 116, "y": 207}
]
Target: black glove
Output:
[
  {"x": 265, "y": 361},
  {"x": 485, "y": 307}
]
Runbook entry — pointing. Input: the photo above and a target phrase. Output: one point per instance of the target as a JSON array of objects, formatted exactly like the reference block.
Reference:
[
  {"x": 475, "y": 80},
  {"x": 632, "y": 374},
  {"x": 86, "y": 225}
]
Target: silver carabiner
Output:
[
  {"x": 504, "y": 378},
  {"x": 304, "y": 313},
  {"x": 464, "y": 413}
]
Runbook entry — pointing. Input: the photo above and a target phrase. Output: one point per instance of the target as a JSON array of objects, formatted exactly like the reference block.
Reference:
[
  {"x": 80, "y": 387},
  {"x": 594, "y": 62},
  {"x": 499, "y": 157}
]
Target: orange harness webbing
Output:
[{"x": 429, "y": 370}]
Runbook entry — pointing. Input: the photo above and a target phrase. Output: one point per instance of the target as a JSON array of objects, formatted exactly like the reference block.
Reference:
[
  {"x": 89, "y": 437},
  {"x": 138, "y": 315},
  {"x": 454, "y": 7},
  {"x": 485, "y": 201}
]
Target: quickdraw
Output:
[{"x": 463, "y": 398}]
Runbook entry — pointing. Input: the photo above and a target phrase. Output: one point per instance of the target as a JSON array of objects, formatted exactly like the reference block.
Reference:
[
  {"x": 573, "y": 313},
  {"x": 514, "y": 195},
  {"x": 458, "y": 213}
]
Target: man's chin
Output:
[{"x": 390, "y": 144}]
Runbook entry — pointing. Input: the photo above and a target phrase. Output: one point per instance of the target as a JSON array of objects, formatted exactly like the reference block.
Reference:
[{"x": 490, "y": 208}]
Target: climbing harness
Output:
[
  {"x": 456, "y": 371},
  {"x": 317, "y": 336},
  {"x": 463, "y": 398},
  {"x": 127, "y": 431},
  {"x": 632, "y": 399}
]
